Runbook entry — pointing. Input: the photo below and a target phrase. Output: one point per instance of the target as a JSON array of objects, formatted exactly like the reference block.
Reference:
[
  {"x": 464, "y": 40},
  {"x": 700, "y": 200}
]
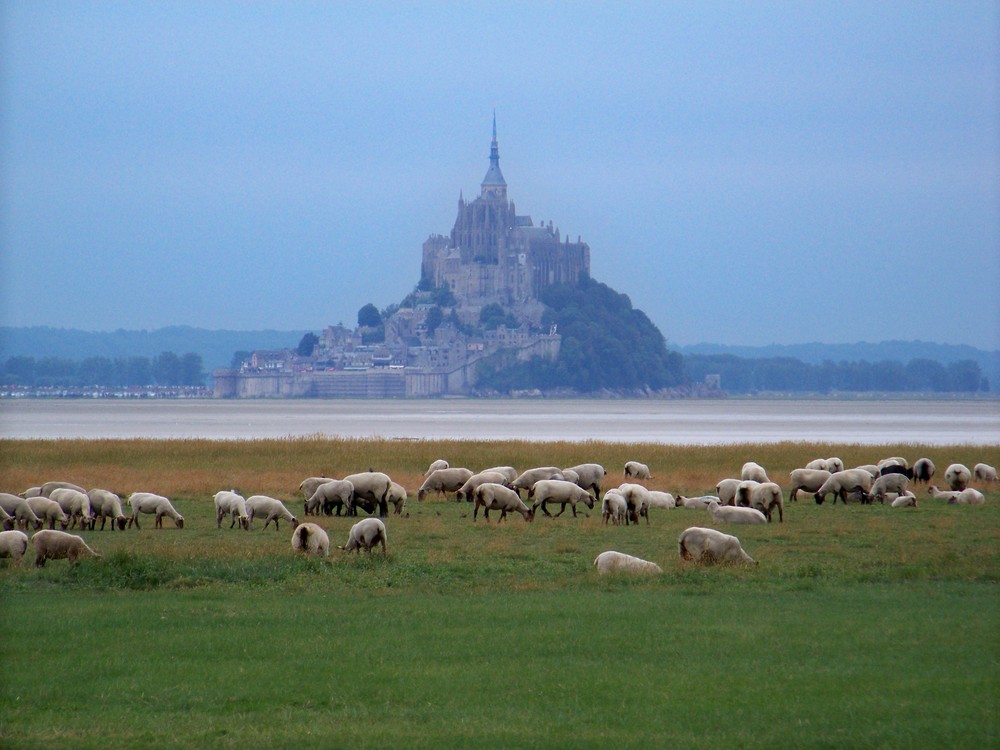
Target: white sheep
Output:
[
  {"x": 589, "y": 477},
  {"x": 443, "y": 481},
  {"x": 309, "y": 538},
  {"x": 696, "y": 503},
  {"x": 465, "y": 491},
  {"x": 18, "y": 509},
  {"x": 58, "y": 545},
  {"x": 497, "y": 497},
  {"x": 614, "y": 507},
  {"x": 923, "y": 470},
  {"x": 958, "y": 476},
  {"x": 946, "y": 495},
  {"x": 985, "y": 473},
  {"x": 152, "y": 504},
  {"x": 7, "y": 520},
  {"x": 49, "y": 510},
  {"x": 834, "y": 464},
  {"x": 366, "y": 533},
  {"x": 893, "y": 461},
  {"x": 726, "y": 490},
  {"x": 47, "y": 488},
  {"x": 559, "y": 491},
  {"x": 765, "y": 497},
  {"x": 887, "y": 483},
  {"x": 308, "y": 487},
  {"x": 371, "y": 487},
  {"x": 744, "y": 492},
  {"x": 397, "y": 496},
  {"x": 735, "y": 515},
  {"x": 817, "y": 464},
  {"x": 709, "y": 546},
  {"x": 105, "y": 504},
  {"x": 637, "y": 498},
  {"x": 270, "y": 509},
  {"x": 906, "y": 500},
  {"x": 333, "y": 494},
  {"x": 969, "y": 496},
  {"x": 619, "y": 562},
  {"x": 843, "y": 482},
  {"x": 526, "y": 479},
  {"x": 807, "y": 480},
  {"x": 570, "y": 476},
  {"x": 753, "y": 470},
  {"x": 662, "y": 500},
  {"x": 871, "y": 469},
  {"x": 13, "y": 544},
  {"x": 509, "y": 472},
  {"x": 76, "y": 505},
  {"x": 232, "y": 504},
  {"x": 636, "y": 470},
  {"x": 435, "y": 465}
]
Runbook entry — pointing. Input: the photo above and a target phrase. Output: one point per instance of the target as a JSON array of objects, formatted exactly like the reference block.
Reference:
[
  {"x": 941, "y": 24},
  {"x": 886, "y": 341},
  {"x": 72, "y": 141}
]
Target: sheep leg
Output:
[
  {"x": 545, "y": 510},
  {"x": 562, "y": 509},
  {"x": 383, "y": 508},
  {"x": 503, "y": 515}
]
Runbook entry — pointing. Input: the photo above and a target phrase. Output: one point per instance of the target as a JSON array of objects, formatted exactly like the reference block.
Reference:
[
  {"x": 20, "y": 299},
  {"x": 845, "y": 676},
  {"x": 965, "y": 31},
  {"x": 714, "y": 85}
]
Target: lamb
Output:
[
  {"x": 435, "y": 465},
  {"x": 726, "y": 490},
  {"x": 13, "y": 544},
  {"x": 509, "y": 472},
  {"x": 841, "y": 483},
  {"x": 589, "y": 476},
  {"x": 397, "y": 496},
  {"x": 18, "y": 508},
  {"x": 147, "y": 502},
  {"x": 76, "y": 505},
  {"x": 637, "y": 498},
  {"x": 311, "y": 539},
  {"x": 637, "y": 470},
  {"x": 923, "y": 470},
  {"x": 497, "y": 497},
  {"x": 619, "y": 562},
  {"x": 765, "y": 498},
  {"x": 269, "y": 509},
  {"x": 559, "y": 491},
  {"x": 49, "y": 510},
  {"x": 731, "y": 514},
  {"x": 614, "y": 507},
  {"x": 696, "y": 503},
  {"x": 809, "y": 480},
  {"x": 754, "y": 471},
  {"x": 958, "y": 476},
  {"x": 985, "y": 473},
  {"x": 968, "y": 496},
  {"x": 229, "y": 502},
  {"x": 366, "y": 533},
  {"x": 949, "y": 496},
  {"x": 893, "y": 482},
  {"x": 526, "y": 480},
  {"x": 58, "y": 545},
  {"x": 332, "y": 494},
  {"x": 308, "y": 487},
  {"x": 372, "y": 486},
  {"x": 906, "y": 500},
  {"x": 105, "y": 504},
  {"x": 466, "y": 490},
  {"x": 443, "y": 481},
  {"x": 7, "y": 520},
  {"x": 708, "y": 546}
]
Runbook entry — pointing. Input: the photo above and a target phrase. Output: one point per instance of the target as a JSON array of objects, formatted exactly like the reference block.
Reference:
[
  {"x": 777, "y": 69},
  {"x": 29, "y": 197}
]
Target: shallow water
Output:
[{"x": 707, "y": 422}]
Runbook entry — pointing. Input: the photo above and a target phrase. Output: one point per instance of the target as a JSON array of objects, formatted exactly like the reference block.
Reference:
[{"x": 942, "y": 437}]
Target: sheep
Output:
[
  {"x": 526, "y": 480},
  {"x": 106, "y": 504},
  {"x": 308, "y": 487},
  {"x": 13, "y": 544},
  {"x": 637, "y": 470},
  {"x": 332, "y": 494},
  {"x": 589, "y": 477},
  {"x": 906, "y": 500},
  {"x": 397, "y": 496},
  {"x": 497, "y": 497},
  {"x": 637, "y": 498},
  {"x": 76, "y": 504},
  {"x": 435, "y": 465},
  {"x": 946, "y": 495},
  {"x": 366, "y": 533},
  {"x": 310, "y": 538},
  {"x": 31, "y": 492},
  {"x": 834, "y": 464},
  {"x": 7, "y": 520},
  {"x": 923, "y": 470},
  {"x": 817, "y": 464},
  {"x": 662, "y": 500},
  {"x": 744, "y": 492},
  {"x": 229, "y": 502},
  {"x": 58, "y": 545},
  {"x": 559, "y": 491},
  {"x": 726, "y": 490},
  {"x": 47, "y": 488},
  {"x": 708, "y": 546},
  {"x": 619, "y": 562},
  {"x": 466, "y": 490},
  {"x": 49, "y": 510},
  {"x": 509, "y": 472},
  {"x": 270, "y": 509},
  {"x": 371, "y": 486},
  {"x": 696, "y": 503},
  {"x": 842, "y": 482},
  {"x": 893, "y": 482},
  {"x": 968, "y": 496},
  {"x": 809, "y": 480},
  {"x": 985, "y": 473},
  {"x": 19, "y": 510},
  {"x": 872, "y": 469},
  {"x": 614, "y": 507},
  {"x": 958, "y": 476},
  {"x": 570, "y": 476},
  {"x": 147, "y": 502},
  {"x": 754, "y": 471},
  {"x": 765, "y": 498},
  {"x": 443, "y": 481},
  {"x": 731, "y": 514},
  {"x": 893, "y": 461},
  {"x": 903, "y": 471}
]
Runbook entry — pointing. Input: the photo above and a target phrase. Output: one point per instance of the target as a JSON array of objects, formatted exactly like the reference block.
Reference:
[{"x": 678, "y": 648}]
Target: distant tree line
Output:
[
  {"x": 165, "y": 369},
  {"x": 743, "y": 375}
]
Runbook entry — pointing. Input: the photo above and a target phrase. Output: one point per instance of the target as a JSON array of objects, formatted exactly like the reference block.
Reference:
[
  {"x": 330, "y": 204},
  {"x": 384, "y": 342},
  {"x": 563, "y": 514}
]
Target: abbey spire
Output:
[{"x": 494, "y": 185}]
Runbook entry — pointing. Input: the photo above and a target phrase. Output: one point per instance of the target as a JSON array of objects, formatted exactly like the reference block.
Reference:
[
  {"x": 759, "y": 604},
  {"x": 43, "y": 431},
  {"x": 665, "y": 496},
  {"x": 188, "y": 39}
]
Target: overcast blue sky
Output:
[{"x": 747, "y": 173}]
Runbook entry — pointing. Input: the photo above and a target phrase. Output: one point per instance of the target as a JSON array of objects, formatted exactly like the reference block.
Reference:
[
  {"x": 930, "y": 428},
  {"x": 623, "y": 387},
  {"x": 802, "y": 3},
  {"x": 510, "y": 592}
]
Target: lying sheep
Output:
[
  {"x": 732, "y": 514},
  {"x": 637, "y": 498},
  {"x": 708, "y": 546},
  {"x": 526, "y": 479},
  {"x": 370, "y": 486},
  {"x": 435, "y": 465},
  {"x": 841, "y": 483},
  {"x": 152, "y": 504},
  {"x": 765, "y": 498},
  {"x": 443, "y": 481},
  {"x": 589, "y": 477},
  {"x": 58, "y": 545},
  {"x": 561, "y": 492},
  {"x": 753, "y": 470},
  {"x": 311, "y": 539},
  {"x": 366, "y": 533},
  {"x": 308, "y": 487},
  {"x": 696, "y": 503},
  {"x": 968, "y": 496},
  {"x": 105, "y": 504},
  {"x": 465, "y": 491},
  {"x": 619, "y": 562},
  {"x": 13, "y": 544},
  {"x": 48, "y": 510},
  {"x": 497, "y": 497},
  {"x": 332, "y": 495},
  {"x": 75, "y": 504},
  {"x": 662, "y": 500},
  {"x": 906, "y": 500},
  {"x": 958, "y": 476},
  {"x": 397, "y": 496},
  {"x": 985, "y": 473},
  {"x": 726, "y": 490},
  {"x": 637, "y": 470},
  {"x": 7, "y": 520},
  {"x": 509, "y": 472},
  {"x": 923, "y": 470},
  {"x": 270, "y": 509},
  {"x": 807, "y": 480},
  {"x": 18, "y": 509},
  {"x": 946, "y": 495},
  {"x": 893, "y": 482},
  {"x": 230, "y": 503},
  {"x": 614, "y": 507}
]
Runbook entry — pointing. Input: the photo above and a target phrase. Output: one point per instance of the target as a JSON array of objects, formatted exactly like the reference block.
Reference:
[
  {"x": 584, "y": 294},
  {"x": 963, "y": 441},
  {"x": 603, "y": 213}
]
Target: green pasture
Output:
[{"x": 861, "y": 627}]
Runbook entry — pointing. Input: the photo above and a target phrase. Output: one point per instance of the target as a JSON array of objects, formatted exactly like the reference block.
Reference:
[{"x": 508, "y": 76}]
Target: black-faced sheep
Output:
[
  {"x": 311, "y": 539},
  {"x": 366, "y": 533},
  {"x": 766, "y": 497},
  {"x": 589, "y": 477},
  {"x": 48, "y": 510},
  {"x": 561, "y": 492},
  {"x": 497, "y": 497},
  {"x": 806, "y": 480},
  {"x": 619, "y": 562},
  {"x": 18, "y": 509},
  {"x": 332, "y": 495},
  {"x": 465, "y": 491},
  {"x": 75, "y": 504},
  {"x": 526, "y": 479},
  {"x": 105, "y": 504},
  {"x": 230, "y": 503},
  {"x": 841, "y": 483},
  {"x": 13, "y": 544},
  {"x": 708, "y": 546},
  {"x": 443, "y": 481},
  {"x": 372, "y": 486},
  {"x": 58, "y": 545},
  {"x": 155, "y": 505},
  {"x": 308, "y": 488},
  {"x": 985, "y": 473},
  {"x": 270, "y": 509},
  {"x": 958, "y": 476},
  {"x": 637, "y": 470},
  {"x": 892, "y": 482}
]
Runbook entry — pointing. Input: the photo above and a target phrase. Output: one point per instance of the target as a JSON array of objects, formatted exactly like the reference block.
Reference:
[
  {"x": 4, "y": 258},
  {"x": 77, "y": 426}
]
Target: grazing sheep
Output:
[
  {"x": 366, "y": 533},
  {"x": 152, "y": 504},
  {"x": 270, "y": 509},
  {"x": 75, "y": 504},
  {"x": 754, "y": 471},
  {"x": 49, "y": 510},
  {"x": 696, "y": 503},
  {"x": 968, "y": 496},
  {"x": 614, "y": 507},
  {"x": 946, "y": 495},
  {"x": 841, "y": 483},
  {"x": 958, "y": 476},
  {"x": 807, "y": 480},
  {"x": 229, "y": 502},
  {"x": 334, "y": 494},
  {"x": 509, "y": 472},
  {"x": 892, "y": 482},
  {"x": 619, "y": 562},
  {"x": 311, "y": 539},
  {"x": 637, "y": 498},
  {"x": 817, "y": 464},
  {"x": 893, "y": 461},
  {"x": 732, "y": 514},
  {"x": 765, "y": 498},
  {"x": 31, "y": 492},
  {"x": 985, "y": 473},
  {"x": 570, "y": 476},
  {"x": 589, "y": 477},
  {"x": 744, "y": 492},
  {"x": 105, "y": 504},
  {"x": 443, "y": 481},
  {"x": 435, "y": 465},
  {"x": 906, "y": 500},
  {"x": 497, "y": 497},
  {"x": 526, "y": 480},
  {"x": 13, "y": 544},
  {"x": 637, "y": 470},
  {"x": 371, "y": 486},
  {"x": 708, "y": 546},
  {"x": 7, "y": 520},
  {"x": 923, "y": 470},
  {"x": 397, "y": 496},
  {"x": 465, "y": 491},
  {"x": 308, "y": 487},
  {"x": 559, "y": 491},
  {"x": 18, "y": 509},
  {"x": 903, "y": 471},
  {"x": 726, "y": 490},
  {"x": 47, "y": 488},
  {"x": 872, "y": 469},
  {"x": 58, "y": 545}
]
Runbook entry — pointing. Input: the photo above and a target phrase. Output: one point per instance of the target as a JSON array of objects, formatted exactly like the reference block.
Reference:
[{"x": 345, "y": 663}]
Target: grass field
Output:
[{"x": 861, "y": 627}]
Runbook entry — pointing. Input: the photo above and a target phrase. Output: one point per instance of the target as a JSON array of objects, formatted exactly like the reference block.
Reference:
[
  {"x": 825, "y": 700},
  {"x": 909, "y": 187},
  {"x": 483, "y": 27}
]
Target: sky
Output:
[{"x": 748, "y": 173}]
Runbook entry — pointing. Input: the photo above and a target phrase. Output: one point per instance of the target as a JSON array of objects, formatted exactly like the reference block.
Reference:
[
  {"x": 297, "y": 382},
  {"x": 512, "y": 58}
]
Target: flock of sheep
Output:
[{"x": 751, "y": 499}]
